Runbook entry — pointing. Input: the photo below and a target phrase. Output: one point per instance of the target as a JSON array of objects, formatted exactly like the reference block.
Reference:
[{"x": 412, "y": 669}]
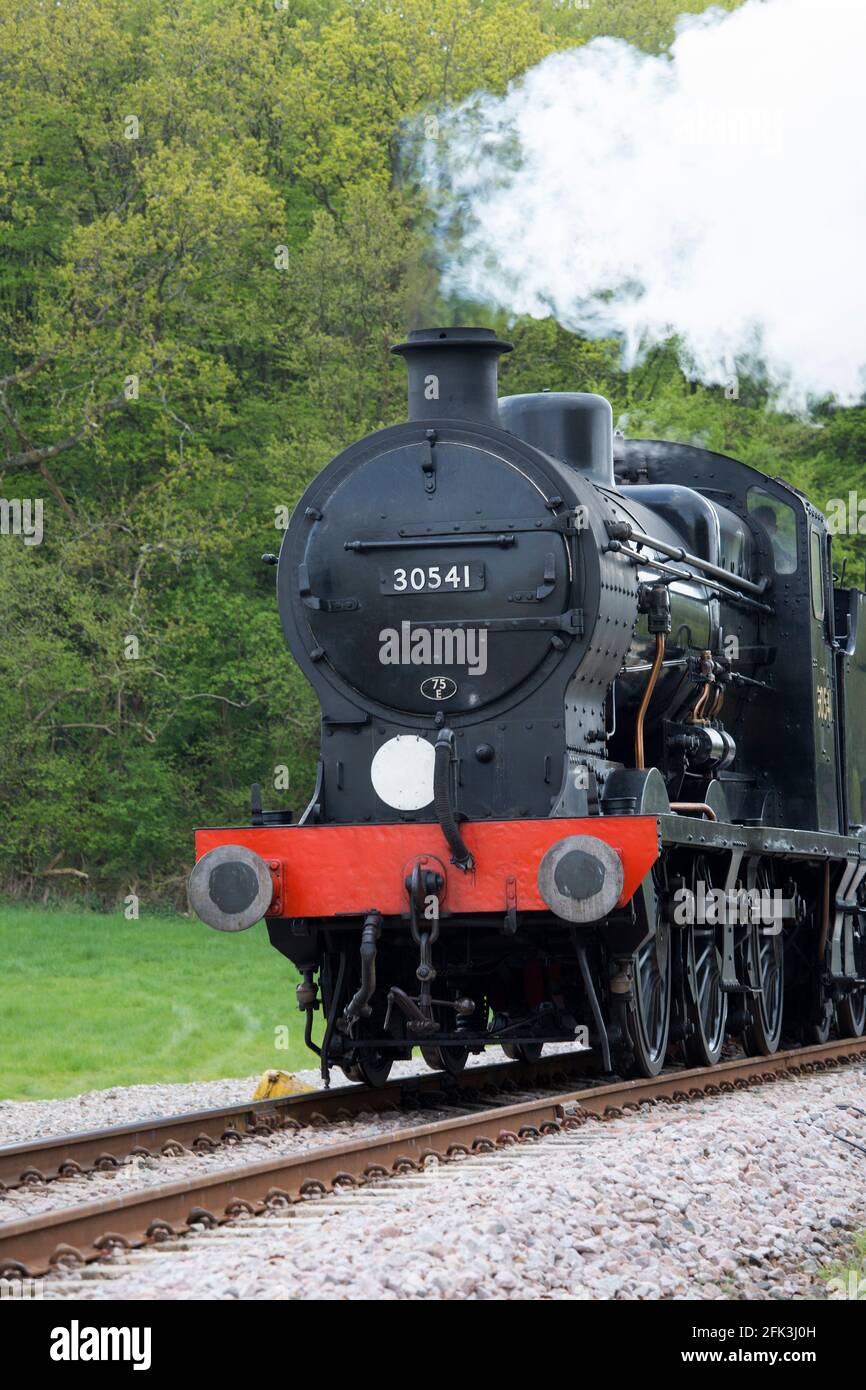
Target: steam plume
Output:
[{"x": 716, "y": 193}]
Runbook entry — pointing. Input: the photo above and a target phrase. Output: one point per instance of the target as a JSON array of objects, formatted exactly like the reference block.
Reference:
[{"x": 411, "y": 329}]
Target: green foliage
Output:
[
  {"x": 207, "y": 244},
  {"x": 648, "y": 24}
]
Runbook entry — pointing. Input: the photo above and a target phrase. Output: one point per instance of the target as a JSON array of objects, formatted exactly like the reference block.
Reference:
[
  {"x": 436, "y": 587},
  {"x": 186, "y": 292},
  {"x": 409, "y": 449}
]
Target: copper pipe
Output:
[
  {"x": 695, "y": 716},
  {"x": 717, "y": 703},
  {"x": 647, "y": 696},
  {"x": 694, "y": 806}
]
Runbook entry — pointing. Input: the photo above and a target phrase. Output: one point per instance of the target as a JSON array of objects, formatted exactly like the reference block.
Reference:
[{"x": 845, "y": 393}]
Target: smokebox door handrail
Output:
[{"x": 414, "y": 542}]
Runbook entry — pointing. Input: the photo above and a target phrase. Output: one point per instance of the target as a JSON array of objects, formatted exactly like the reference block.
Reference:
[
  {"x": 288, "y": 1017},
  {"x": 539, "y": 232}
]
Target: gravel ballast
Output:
[
  {"x": 744, "y": 1196},
  {"x": 22, "y": 1120}
]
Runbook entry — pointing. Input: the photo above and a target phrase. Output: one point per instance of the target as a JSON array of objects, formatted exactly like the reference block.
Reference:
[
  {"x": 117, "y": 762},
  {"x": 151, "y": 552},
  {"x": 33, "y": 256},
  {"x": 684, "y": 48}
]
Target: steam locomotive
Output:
[{"x": 592, "y": 758}]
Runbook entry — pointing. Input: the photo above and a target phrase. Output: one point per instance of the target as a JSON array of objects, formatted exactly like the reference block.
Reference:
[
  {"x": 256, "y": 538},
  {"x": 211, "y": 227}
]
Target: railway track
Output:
[
  {"x": 83, "y": 1233},
  {"x": 202, "y": 1131}
]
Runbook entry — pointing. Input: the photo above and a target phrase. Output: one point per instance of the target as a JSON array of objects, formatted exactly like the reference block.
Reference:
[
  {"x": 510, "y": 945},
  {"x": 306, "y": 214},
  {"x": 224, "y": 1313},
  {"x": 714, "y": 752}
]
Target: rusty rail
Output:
[
  {"x": 31, "y": 1246},
  {"x": 70, "y": 1155}
]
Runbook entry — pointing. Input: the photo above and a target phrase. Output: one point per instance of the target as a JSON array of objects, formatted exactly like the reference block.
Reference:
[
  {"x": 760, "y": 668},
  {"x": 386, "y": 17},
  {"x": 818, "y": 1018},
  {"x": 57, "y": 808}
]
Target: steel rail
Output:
[
  {"x": 31, "y": 1246},
  {"x": 70, "y": 1155}
]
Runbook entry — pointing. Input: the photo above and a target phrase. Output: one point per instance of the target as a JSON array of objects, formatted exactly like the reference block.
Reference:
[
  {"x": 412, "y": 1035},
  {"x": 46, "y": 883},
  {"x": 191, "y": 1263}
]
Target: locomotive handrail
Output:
[
  {"x": 565, "y": 524},
  {"x": 413, "y": 542},
  {"x": 732, "y": 594},
  {"x": 624, "y": 531},
  {"x": 570, "y": 621}
]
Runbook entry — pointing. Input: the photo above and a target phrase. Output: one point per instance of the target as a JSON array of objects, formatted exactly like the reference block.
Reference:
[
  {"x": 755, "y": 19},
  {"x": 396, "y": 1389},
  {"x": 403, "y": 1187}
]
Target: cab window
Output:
[
  {"x": 817, "y": 573},
  {"x": 780, "y": 523}
]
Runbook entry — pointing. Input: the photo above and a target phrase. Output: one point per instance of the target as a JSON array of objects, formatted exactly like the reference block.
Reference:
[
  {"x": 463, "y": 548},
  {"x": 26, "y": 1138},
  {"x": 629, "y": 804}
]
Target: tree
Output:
[{"x": 210, "y": 236}]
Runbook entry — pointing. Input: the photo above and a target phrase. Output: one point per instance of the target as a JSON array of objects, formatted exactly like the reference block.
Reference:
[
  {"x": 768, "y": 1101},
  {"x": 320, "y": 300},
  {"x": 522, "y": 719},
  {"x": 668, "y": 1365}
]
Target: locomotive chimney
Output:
[{"x": 453, "y": 373}]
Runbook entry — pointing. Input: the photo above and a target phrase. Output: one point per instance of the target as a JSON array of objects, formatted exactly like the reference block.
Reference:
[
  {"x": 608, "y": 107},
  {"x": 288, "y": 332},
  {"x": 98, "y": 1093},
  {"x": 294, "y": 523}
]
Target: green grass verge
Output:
[
  {"x": 91, "y": 1000},
  {"x": 846, "y": 1278}
]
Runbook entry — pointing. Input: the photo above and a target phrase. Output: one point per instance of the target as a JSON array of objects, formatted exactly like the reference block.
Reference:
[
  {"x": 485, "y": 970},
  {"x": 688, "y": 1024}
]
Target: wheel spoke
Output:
[
  {"x": 766, "y": 951},
  {"x": 706, "y": 1004}
]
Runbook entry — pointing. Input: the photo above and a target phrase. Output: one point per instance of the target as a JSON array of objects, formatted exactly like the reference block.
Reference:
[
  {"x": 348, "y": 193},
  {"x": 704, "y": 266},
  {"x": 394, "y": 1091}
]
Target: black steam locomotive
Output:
[{"x": 591, "y": 759}]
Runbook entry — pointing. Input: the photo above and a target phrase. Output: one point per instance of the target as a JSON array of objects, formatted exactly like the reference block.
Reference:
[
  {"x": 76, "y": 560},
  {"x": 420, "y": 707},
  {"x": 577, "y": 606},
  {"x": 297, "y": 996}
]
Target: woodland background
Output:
[{"x": 257, "y": 126}]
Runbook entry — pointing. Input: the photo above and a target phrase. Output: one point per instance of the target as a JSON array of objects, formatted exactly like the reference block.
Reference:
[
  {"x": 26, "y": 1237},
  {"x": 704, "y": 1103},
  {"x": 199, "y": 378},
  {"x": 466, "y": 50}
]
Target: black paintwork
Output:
[
  {"x": 523, "y": 510},
  {"x": 557, "y": 611},
  {"x": 786, "y": 738},
  {"x": 574, "y": 426},
  {"x": 526, "y": 535}
]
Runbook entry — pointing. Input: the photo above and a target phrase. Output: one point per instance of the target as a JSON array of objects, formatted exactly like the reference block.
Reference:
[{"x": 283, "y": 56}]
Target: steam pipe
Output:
[
  {"x": 825, "y": 913},
  {"x": 644, "y": 562},
  {"x": 696, "y": 807},
  {"x": 647, "y": 696},
  {"x": 589, "y": 989},
  {"x": 332, "y": 1021},
  {"x": 359, "y": 1005},
  {"x": 696, "y": 715},
  {"x": 460, "y": 854}
]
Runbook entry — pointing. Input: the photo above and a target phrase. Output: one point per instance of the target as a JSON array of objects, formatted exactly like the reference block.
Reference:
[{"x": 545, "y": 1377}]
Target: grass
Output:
[
  {"x": 91, "y": 1000},
  {"x": 846, "y": 1278}
]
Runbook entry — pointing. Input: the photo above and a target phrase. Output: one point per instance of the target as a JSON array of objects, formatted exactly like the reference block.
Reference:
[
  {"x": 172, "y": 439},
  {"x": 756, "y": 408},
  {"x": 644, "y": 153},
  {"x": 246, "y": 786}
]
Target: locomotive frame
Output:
[{"x": 576, "y": 795}]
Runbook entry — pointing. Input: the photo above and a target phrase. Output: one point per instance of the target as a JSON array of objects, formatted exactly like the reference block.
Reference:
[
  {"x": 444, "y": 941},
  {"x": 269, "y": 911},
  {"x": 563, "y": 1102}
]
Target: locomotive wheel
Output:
[
  {"x": 451, "y": 1060},
  {"x": 819, "y": 1030},
  {"x": 708, "y": 1006},
  {"x": 651, "y": 1016},
  {"x": 523, "y": 1052},
  {"x": 371, "y": 1067},
  {"x": 706, "y": 1002},
  {"x": 851, "y": 1011},
  {"x": 765, "y": 968},
  {"x": 448, "y": 1059}
]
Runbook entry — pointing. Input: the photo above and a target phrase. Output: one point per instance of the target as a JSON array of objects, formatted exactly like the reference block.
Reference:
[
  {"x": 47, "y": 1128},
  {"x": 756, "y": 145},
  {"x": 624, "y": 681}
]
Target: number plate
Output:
[{"x": 433, "y": 579}]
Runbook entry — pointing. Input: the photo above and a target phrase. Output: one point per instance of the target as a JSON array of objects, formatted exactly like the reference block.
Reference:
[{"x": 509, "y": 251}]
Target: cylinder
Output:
[{"x": 453, "y": 373}]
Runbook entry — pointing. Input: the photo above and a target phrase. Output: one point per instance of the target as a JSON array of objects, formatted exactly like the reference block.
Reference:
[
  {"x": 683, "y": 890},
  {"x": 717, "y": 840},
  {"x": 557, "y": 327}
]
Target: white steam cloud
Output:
[{"x": 716, "y": 193}]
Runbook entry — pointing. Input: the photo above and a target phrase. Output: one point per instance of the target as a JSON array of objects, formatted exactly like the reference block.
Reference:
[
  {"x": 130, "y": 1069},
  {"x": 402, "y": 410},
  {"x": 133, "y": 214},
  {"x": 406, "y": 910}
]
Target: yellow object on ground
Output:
[{"x": 279, "y": 1083}]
